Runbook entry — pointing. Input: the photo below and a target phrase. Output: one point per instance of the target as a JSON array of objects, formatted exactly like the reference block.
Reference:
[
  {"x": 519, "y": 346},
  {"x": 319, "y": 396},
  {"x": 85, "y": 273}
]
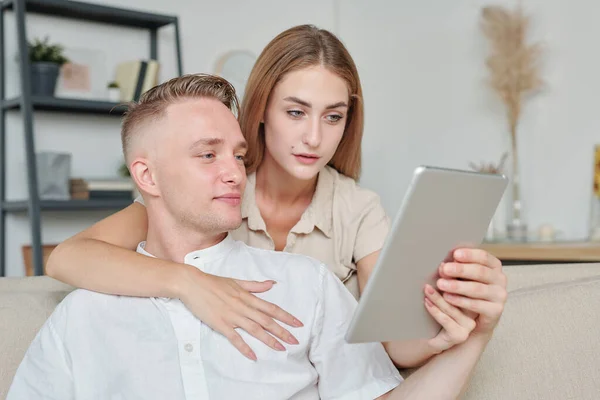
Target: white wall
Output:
[
  {"x": 421, "y": 65},
  {"x": 422, "y": 69}
]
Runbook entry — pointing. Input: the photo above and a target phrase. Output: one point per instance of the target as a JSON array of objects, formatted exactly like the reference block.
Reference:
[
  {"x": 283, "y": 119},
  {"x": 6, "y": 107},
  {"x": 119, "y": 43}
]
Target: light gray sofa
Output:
[{"x": 547, "y": 345}]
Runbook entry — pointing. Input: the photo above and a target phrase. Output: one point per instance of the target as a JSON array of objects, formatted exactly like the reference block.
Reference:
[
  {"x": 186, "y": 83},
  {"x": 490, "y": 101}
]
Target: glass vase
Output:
[{"x": 516, "y": 229}]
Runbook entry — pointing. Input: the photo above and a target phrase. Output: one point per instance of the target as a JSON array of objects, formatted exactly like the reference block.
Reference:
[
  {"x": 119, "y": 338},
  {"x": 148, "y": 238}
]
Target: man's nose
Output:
[{"x": 233, "y": 171}]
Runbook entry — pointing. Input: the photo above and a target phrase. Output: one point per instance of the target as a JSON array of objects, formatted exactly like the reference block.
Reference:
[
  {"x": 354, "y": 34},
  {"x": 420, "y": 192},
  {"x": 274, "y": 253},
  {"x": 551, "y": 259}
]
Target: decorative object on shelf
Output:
[
  {"x": 235, "y": 66},
  {"x": 54, "y": 171},
  {"x": 124, "y": 171},
  {"x": 46, "y": 61},
  {"x": 28, "y": 257},
  {"x": 547, "y": 233},
  {"x": 84, "y": 76},
  {"x": 514, "y": 73},
  {"x": 594, "y": 232},
  {"x": 493, "y": 231},
  {"x": 114, "y": 91}
]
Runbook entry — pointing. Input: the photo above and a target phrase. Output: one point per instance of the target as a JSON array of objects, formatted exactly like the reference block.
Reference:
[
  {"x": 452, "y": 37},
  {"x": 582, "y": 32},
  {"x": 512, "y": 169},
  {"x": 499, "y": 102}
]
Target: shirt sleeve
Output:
[
  {"x": 346, "y": 371},
  {"x": 44, "y": 372},
  {"x": 373, "y": 228}
]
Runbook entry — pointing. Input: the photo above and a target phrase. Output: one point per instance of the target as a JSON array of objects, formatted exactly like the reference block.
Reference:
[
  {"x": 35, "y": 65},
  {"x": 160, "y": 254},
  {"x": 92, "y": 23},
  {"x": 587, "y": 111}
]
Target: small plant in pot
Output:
[
  {"x": 46, "y": 60},
  {"x": 114, "y": 92}
]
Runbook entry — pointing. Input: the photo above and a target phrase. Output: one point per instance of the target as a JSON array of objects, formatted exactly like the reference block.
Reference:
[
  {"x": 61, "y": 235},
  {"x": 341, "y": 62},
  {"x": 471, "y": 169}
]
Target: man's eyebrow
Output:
[
  {"x": 216, "y": 142},
  {"x": 206, "y": 142},
  {"x": 304, "y": 103}
]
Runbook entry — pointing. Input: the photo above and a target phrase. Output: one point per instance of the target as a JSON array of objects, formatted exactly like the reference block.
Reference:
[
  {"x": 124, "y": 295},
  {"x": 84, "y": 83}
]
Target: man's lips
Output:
[{"x": 231, "y": 198}]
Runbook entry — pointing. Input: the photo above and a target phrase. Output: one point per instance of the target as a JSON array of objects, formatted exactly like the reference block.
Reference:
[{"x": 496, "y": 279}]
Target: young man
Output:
[{"x": 185, "y": 150}]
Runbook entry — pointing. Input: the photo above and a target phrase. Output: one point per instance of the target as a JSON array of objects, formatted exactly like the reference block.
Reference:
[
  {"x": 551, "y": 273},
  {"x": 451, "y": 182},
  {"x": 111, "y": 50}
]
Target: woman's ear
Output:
[{"x": 141, "y": 173}]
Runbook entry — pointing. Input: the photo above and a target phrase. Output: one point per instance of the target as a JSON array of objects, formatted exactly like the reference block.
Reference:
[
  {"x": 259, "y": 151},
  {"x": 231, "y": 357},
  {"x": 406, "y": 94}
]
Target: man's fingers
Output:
[
  {"x": 254, "y": 286},
  {"x": 272, "y": 311}
]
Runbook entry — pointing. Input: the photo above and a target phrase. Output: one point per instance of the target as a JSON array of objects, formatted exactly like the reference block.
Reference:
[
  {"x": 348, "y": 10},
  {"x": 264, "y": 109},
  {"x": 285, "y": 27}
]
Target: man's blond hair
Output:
[{"x": 153, "y": 103}]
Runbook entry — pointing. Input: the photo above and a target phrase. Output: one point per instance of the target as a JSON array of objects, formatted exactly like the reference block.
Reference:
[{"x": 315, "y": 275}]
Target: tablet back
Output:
[{"x": 443, "y": 209}]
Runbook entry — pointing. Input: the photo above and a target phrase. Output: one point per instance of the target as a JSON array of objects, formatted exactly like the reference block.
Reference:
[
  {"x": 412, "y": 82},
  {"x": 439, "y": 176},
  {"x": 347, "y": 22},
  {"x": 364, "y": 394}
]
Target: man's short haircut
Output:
[{"x": 154, "y": 102}]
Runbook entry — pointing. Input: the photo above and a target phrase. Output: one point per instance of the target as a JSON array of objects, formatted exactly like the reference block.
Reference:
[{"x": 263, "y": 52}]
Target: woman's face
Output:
[{"x": 304, "y": 121}]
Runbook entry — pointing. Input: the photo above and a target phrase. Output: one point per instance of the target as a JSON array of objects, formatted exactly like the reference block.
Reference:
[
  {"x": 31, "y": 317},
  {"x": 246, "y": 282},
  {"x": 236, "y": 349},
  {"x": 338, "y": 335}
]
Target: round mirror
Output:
[{"x": 235, "y": 66}]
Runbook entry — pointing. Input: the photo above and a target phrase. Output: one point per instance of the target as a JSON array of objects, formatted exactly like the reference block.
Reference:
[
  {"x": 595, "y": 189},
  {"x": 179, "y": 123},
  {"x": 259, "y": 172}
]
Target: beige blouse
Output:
[{"x": 343, "y": 224}]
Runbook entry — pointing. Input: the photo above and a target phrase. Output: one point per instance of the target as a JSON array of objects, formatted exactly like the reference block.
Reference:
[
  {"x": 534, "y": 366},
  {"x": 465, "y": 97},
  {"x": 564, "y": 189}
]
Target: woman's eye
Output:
[
  {"x": 240, "y": 158},
  {"x": 295, "y": 113},
  {"x": 334, "y": 118},
  {"x": 208, "y": 156}
]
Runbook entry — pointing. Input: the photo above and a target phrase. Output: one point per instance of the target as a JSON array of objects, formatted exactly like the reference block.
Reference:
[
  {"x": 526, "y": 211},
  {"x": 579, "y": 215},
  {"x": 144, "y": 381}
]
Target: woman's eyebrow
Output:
[{"x": 304, "y": 103}]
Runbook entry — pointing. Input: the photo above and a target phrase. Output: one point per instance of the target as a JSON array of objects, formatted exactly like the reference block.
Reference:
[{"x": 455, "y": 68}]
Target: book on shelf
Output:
[
  {"x": 136, "y": 77},
  {"x": 95, "y": 188}
]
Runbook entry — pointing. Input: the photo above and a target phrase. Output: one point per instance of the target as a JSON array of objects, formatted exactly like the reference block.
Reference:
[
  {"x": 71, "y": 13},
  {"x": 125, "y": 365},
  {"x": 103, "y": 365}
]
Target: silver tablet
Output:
[{"x": 442, "y": 210}]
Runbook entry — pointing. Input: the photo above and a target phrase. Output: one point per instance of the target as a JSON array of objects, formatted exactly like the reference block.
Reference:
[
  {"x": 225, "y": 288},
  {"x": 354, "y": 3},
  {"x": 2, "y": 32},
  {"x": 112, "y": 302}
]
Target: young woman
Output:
[{"x": 302, "y": 116}]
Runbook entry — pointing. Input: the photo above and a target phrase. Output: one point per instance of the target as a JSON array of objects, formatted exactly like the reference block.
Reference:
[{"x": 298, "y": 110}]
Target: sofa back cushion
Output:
[
  {"x": 546, "y": 346},
  {"x": 25, "y": 304}
]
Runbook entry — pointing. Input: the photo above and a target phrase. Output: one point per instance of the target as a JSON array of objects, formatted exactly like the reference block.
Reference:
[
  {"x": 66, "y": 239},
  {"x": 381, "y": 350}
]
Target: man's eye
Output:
[{"x": 207, "y": 156}]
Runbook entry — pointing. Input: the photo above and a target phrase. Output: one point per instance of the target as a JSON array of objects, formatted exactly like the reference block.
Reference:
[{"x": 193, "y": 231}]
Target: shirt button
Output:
[{"x": 188, "y": 347}]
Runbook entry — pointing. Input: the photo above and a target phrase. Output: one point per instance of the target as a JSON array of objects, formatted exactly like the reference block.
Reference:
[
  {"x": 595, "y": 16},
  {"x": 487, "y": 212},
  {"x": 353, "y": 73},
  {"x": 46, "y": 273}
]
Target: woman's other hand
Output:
[
  {"x": 456, "y": 325},
  {"x": 474, "y": 281}
]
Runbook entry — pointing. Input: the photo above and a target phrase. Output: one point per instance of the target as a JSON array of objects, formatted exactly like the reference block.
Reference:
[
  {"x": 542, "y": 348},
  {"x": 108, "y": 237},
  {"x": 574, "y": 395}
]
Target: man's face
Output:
[{"x": 199, "y": 165}]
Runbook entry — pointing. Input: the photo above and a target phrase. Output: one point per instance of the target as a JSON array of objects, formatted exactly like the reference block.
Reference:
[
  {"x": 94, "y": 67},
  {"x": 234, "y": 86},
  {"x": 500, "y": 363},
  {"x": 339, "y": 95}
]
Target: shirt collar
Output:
[
  {"x": 197, "y": 257},
  {"x": 318, "y": 213}
]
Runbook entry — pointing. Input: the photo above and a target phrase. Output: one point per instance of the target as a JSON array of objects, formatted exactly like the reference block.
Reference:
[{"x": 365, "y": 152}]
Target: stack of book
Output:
[{"x": 95, "y": 189}]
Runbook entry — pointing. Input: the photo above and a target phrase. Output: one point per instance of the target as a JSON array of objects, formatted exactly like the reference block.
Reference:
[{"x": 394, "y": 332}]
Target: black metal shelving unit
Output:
[{"x": 27, "y": 104}]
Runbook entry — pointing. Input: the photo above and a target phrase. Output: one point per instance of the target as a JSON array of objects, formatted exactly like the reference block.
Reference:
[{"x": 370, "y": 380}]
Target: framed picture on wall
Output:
[{"x": 84, "y": 76}]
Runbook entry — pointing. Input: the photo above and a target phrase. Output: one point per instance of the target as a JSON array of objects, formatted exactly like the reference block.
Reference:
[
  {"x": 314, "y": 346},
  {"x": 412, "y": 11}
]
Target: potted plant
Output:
[
  {"x": 46, "y": 60},
  {"x": 114, "y": 92}
]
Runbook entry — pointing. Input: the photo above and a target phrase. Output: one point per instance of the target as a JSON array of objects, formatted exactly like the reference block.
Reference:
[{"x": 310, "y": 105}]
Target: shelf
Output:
[
  {"x": 575, "y": 251},
  {"x": 69, "y": 205},
  {"x": 95, "y": 12},
  {"x": 69, "y": 105}
]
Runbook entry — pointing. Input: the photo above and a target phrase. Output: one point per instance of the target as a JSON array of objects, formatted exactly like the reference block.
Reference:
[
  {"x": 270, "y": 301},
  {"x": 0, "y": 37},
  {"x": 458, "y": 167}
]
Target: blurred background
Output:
[{"x": 426, "y": 93}]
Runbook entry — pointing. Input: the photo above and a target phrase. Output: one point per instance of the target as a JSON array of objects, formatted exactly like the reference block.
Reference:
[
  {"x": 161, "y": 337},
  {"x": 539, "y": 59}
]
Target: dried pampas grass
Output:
[
  {"x": 513, "y": 64},
  {"x": 490, "y": 168},
  {"x": 514, "y": 67}
]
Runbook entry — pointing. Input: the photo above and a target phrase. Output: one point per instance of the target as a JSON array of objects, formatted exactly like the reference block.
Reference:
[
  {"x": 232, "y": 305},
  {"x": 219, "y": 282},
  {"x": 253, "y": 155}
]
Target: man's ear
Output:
[{"x": 142, "y": 174}]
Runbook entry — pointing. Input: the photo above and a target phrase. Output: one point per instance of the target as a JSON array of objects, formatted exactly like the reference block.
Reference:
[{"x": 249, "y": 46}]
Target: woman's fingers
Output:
[
  {"x": 271, "y": 310},
  {"x": 448, "y": 309},
  {"x": 474, "y": 290},
  {"x": 456, "y": 326},
  {"x": 489, "y": 311},
  {"x": 223, "y": 304},
  {"x": 263, "y": 323}
]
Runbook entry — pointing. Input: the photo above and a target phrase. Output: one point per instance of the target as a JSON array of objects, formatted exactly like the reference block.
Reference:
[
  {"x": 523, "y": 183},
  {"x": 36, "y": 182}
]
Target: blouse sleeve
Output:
[
  {"x": 140, "y": 200},
  {"x": 373, "y": 228}
]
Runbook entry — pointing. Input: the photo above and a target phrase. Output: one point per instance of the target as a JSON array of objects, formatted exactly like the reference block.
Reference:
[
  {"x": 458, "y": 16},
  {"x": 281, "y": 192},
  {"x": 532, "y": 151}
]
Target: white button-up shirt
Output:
[{"x": 98, "y": 346}]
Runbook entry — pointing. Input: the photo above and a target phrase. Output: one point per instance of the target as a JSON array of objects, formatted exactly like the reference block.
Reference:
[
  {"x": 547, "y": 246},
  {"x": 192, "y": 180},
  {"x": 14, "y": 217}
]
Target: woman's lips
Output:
[{"x": 307, "y": 158}]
